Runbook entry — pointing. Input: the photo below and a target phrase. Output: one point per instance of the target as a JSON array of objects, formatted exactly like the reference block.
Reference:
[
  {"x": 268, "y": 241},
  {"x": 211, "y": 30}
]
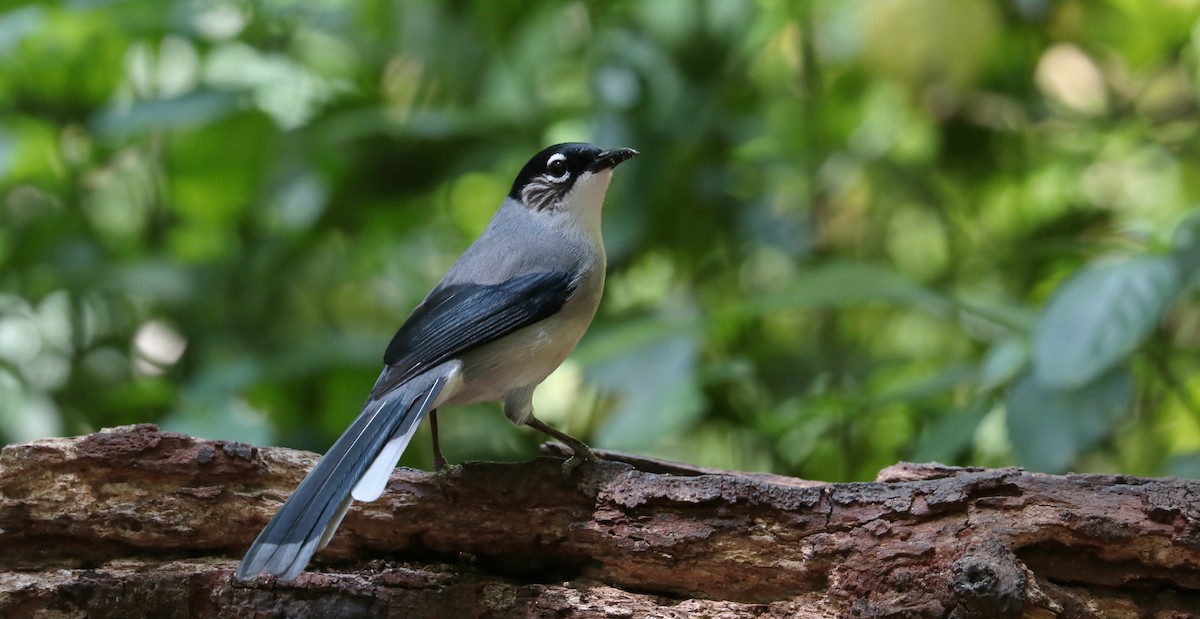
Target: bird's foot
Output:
[
  {"x": 582, "y": 454},
  {"x": 445, "y": 474},
  {"x": 439, "y": 462}
]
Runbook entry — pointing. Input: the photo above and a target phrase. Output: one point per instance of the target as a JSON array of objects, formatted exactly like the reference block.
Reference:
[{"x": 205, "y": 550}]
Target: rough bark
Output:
[{"x": 137, "y": 522}]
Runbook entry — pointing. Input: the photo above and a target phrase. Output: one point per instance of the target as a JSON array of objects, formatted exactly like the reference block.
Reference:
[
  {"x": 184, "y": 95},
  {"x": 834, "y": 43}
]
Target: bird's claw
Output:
[
  {"x": 570, "y": 464},
  {"x": 444, "y": 474}
]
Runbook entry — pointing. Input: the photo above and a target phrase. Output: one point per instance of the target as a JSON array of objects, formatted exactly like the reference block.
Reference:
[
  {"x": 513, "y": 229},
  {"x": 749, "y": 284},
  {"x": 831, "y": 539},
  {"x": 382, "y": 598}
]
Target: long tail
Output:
[{"x": 355, "y": 463}]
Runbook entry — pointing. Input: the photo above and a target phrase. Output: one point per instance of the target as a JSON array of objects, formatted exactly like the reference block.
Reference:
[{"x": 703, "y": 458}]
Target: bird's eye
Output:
[{"x": 557, "y": 168}]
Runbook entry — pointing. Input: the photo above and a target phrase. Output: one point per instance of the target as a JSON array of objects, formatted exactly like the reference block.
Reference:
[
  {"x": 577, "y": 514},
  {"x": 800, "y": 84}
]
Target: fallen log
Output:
[{"x": 133, "y": 521}]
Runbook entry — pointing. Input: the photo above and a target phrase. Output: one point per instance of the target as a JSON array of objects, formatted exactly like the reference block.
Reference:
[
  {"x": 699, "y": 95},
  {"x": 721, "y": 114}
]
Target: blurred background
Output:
[{"x": 859, "y": 232}]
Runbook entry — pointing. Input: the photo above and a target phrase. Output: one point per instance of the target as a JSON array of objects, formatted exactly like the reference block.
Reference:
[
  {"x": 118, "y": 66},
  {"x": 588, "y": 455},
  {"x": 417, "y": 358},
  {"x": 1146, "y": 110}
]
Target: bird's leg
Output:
[
  {"x": 439, "y": 461},
  {"x": 580, "y": 452}
]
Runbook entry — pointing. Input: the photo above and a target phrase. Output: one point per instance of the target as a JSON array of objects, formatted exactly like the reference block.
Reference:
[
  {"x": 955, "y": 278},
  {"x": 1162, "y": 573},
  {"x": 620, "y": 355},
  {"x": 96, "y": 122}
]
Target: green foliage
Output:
[
  {"x": 1098, "y": 317},
  {"x": 1056, "y": 425},
  {"x": 860, "y": 231}
]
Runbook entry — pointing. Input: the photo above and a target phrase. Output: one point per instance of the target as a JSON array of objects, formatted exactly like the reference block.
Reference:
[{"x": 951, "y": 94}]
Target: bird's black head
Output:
[{"x": 552, "y": 173}]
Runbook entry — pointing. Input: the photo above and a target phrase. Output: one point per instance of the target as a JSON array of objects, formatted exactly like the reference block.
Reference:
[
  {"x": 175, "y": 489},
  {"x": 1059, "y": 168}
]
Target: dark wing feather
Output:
[{"x": 461, "y": 317}]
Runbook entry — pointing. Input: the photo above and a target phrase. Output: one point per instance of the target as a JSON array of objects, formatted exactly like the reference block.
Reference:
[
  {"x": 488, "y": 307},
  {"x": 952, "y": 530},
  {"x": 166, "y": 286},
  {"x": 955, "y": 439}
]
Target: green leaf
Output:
[
  {"x": 1099, "y": 316},
  {"x": 651, "y": 367},
  {"x": 1050, "y": 427},
  {"x": 192, "y": 110},
  {"x": 1186, "y": 242},
  {"x": 839, "y": 284},
  {"x": 922, "y": 388},
  {"x": 1003, "y": 360},
  {"x": 950, "y": 436},
  {"x": 1007, "y": 314}
]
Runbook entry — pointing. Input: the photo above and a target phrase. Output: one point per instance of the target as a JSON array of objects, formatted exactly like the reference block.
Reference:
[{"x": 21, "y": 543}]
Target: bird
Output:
[{"x": 505, "y": 315}]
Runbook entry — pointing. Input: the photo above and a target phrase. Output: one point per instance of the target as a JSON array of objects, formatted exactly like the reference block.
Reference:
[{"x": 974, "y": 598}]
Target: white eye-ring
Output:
[{"x": 556, "y": 167}]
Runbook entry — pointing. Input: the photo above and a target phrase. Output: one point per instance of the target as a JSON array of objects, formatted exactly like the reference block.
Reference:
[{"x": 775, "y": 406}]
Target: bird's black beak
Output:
[{"x": 610, "y": 159}]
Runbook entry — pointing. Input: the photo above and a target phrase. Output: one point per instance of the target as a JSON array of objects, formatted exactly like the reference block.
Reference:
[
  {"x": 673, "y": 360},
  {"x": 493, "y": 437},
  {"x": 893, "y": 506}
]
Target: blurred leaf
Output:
[
  {"x": 145, "y": 394},
  {"x": 1003, "y": 360},
  {"x": 69, "y": 59},
  {"x": 652, "y": 372},
  {"x": 1184, "y": 466},
  {"x": 15, "y": 24},
  {"x": 1186, "y": 242},
  {"x": 1012, "y": 316},
  {"x": 951, "y": 435},
  {"x": 924, "y": 387},
  {"x": 8, "y": 149},
  {"x": 1099, "y": 316},
  {"x": 948, "y": 40},
  {"x": 23, "y": 415},
  {"x": 29, "y": 152},
  {"x": 1049, "y": 428},
  {"x": 232, "y": 420},
  {"x": 194, "y": 109},
  {"x": 166, "y": 281},
  {"x": 839, "y": 284},
  {"x": 602, "y": 344}
]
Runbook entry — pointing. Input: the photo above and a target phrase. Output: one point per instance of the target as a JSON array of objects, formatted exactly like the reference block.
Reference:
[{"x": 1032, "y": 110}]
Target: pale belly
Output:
[{"x": 522, "y": 359}]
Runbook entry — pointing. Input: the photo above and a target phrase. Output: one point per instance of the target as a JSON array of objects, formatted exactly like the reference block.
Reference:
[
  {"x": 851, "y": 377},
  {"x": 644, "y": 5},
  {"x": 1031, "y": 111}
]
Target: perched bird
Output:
[{"x": 505, "y": 315}]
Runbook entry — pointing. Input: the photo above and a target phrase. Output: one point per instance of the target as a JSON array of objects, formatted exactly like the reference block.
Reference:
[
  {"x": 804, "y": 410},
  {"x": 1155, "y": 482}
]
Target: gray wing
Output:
[
  {"x": 460, "y": 317},
  {"x": 452, "y": 320}
]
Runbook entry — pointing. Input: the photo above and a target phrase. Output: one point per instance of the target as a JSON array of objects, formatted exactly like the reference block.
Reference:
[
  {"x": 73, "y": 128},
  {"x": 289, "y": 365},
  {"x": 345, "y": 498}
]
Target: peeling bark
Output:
[{"x": 137, "y": 522}]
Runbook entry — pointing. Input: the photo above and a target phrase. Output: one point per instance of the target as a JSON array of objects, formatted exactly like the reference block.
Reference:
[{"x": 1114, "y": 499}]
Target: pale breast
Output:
[{"x": 523, "y": 358}]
